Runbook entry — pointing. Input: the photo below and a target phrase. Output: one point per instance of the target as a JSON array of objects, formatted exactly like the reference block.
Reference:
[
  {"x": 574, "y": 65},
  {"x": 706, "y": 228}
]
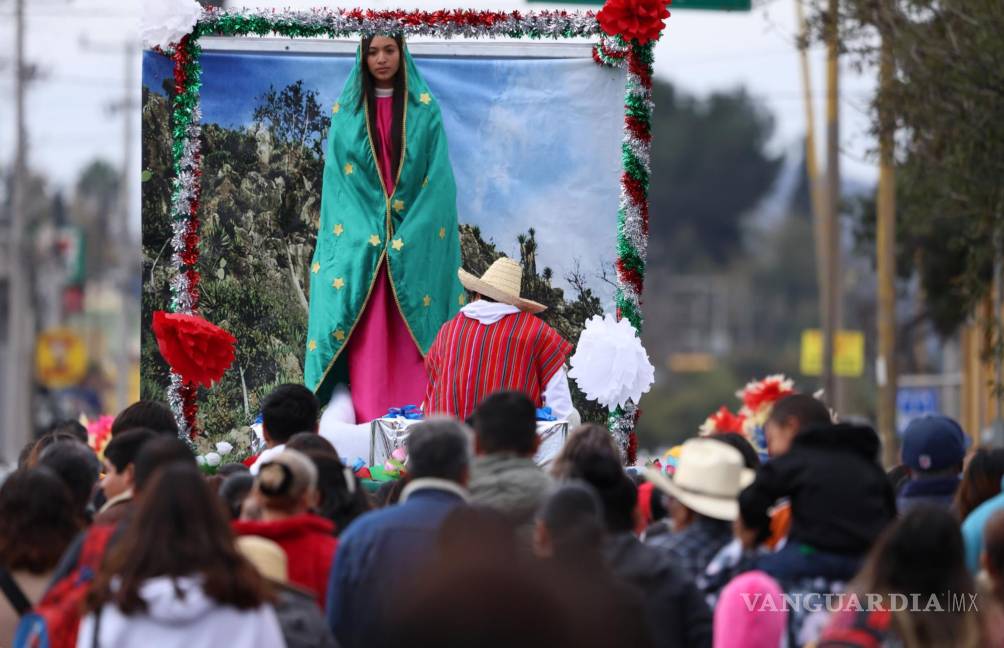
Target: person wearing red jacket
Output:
[{"x": 286, "y": 493}]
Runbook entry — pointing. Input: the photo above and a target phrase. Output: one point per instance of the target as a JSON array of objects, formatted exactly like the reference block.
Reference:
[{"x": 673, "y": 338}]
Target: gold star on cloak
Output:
[
  {"x": 463, "y": 299},
  {"x": 314, "y": 268},
  {"x": 338, "y": 283},
  {"x": 313, "y": 345},
  {"x": 339, "y": 335},
  {"x": 374, "y": 240},
  {"x": 398, "y": 206},
  {"x": 348, "y": 168},
  {"x": 339, "y": 229},
  {"x": 336, "y": 108},
  {"x": 425, "y": 183},
  {"x": 425, "y": 98},
  {"x": 427, "y": 301},
  {"x": 442, "y": 232},
  {"x": 397, "y": 244}
]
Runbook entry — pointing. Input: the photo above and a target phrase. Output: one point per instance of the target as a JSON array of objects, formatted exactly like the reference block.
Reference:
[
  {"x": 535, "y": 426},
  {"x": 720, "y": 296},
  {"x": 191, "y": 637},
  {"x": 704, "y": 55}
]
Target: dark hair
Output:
[
  {"x": 367, "y": 93},
  {"x": 179, "y": 529},
  {"x": 44, "y": 442},
  {"x": 389, "y": 493},
  {"x": 122, "y": 449},
  {"x": 438, "y": 448},
  {"x": 615, "y": 489},
  {"x": 343, "y": 497},
  {"x": 586, "y": 439},
  {"x": 38, "y": 520},
  {"x": 149, "y": 414},
  {"x": 289, "y": 409},
  {"x": 234, "y": 490},
  {"x": 67, "y": 426},
  {"x": 78, "y": 467},
  {"x": 473, "y": 535},
  {"x": 156, "y": 454},
  {"x": 740, "y": 443},
  {"x": 307, "y": 442},
  {"x": 232, "y": 468},
  {"x": 573, "y": 516},
  {"x": 506, "y": 421},
  {"x": 980, "y": 481},
  {"x": 922, "y": 553},
  {"x": 807, "y": 410}
]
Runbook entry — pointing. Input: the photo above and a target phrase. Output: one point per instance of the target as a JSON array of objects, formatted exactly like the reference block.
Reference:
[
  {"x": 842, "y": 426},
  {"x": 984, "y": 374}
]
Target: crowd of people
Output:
[{"x": 476, "y": 545}]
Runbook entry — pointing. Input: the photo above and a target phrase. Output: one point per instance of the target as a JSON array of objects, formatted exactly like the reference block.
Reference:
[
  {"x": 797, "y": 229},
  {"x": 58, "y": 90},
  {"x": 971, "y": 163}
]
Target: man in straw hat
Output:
[
  {"x": 704, "y": 501},
  {"x": 495, "y": 343}
]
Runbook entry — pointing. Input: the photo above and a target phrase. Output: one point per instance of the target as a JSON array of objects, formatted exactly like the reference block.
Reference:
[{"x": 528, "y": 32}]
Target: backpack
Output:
[{"x": 56, "y": 618}]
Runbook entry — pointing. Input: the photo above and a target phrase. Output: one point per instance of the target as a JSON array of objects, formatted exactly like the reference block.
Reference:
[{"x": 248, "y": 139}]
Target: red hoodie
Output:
[{"x": 309, "y": 544}]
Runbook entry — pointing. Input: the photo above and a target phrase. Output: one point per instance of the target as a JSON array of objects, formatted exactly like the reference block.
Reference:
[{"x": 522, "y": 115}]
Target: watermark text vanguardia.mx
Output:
[{"x": 850, "y": 601}]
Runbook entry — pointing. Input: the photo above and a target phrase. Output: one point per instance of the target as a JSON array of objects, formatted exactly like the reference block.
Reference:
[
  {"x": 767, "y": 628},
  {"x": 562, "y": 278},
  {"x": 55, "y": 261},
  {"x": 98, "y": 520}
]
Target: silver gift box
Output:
[{"x": 389, "y": 434}]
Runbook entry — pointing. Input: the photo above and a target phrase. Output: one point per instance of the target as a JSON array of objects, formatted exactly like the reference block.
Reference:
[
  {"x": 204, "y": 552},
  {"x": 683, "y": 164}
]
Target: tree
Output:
[
  {"x": 699, "y": 147},
  {"x": 946, "y": 103}
]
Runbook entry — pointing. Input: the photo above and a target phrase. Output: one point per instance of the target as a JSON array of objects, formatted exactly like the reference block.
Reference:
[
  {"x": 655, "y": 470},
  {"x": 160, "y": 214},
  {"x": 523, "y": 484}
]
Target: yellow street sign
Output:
[
  {"x": 848, "y": 353},
  {"x": 60, "y": 358}
]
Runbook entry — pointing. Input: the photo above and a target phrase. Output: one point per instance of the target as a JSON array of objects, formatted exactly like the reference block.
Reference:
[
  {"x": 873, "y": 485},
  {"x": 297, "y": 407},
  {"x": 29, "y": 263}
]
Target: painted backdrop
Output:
[{"x": 535, "y": 148}]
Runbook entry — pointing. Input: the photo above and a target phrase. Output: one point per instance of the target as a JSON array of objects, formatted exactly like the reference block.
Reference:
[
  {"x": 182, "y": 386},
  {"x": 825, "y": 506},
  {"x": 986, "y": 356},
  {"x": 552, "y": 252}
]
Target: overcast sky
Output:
[{"x": 78, "y": 45}]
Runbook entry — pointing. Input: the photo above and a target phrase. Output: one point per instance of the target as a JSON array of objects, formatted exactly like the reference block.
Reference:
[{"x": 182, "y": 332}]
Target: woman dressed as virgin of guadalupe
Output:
[{"x": 384, "y": 273}]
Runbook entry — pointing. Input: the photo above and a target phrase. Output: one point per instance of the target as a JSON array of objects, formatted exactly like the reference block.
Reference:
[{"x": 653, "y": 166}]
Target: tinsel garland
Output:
[
  {"x": 342, "y": 23},
  {"x": 632, "y": 214},
  {"x": 186, "y": 189},
  {"x": 632, "y": 217}
]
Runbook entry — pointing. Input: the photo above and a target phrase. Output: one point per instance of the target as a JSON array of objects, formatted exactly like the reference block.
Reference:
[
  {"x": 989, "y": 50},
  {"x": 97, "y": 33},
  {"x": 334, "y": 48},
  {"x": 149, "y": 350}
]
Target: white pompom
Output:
[
  {"x": 165, "y": 22},
  {"x": 610, "y": 364}
]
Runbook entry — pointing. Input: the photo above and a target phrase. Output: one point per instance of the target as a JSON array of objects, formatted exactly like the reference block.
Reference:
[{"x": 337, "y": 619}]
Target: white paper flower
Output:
[
  {"x": 165, "y": 22},
  {"x": 201, "y": 460},
  {"x": 213, "y": 459},
  {"x": 224, "y": 448},
  {"x": 610, "y": 364}
]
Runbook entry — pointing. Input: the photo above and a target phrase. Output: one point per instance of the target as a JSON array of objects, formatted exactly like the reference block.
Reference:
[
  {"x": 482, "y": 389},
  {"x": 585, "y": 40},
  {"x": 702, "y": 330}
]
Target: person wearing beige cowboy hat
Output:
[
  {"x": 703, "y": 501},
  {"x": 493, "y": 344}
]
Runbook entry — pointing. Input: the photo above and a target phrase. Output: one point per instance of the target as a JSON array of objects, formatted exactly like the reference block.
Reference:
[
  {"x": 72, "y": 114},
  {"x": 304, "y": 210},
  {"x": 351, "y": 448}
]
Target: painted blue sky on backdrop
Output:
[{"x": 533, "y": 142}]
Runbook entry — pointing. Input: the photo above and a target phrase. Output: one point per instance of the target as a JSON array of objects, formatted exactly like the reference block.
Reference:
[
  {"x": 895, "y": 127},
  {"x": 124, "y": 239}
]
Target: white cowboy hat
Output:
[
  {"x": 708, "y": 479},
  {"x": 501, "y": 282}
]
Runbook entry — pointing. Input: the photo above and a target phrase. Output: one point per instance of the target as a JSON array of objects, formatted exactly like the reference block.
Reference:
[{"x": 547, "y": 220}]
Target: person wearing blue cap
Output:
[{"x": 933, "y": 450}]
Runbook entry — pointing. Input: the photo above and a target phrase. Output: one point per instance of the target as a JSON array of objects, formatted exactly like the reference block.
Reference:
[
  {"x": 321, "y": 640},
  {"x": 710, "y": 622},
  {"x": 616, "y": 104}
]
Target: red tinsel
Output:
[
  {"x": 639, "y": 20},
  {"x": 196, "y": 350},
  {"x": 190, "y": 407}
]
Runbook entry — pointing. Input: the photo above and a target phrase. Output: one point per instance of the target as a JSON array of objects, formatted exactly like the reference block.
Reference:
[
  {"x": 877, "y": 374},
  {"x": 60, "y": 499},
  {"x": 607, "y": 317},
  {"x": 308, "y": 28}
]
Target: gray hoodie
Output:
[{"x": 512, "y": 485}]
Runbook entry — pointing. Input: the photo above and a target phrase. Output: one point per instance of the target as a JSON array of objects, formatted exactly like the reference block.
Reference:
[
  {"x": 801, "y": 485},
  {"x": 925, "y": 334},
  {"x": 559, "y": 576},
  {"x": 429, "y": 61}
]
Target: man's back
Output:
[{"x": 388, "y": 545}]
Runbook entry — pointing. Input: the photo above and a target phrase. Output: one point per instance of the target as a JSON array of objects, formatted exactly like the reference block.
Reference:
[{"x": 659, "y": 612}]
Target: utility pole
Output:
[
  {"x": 831, "y": 323},
  {"x": 885, "y": 365},
  {"x": 817, "y": 199},
  {"x": 17, "y": 417}
]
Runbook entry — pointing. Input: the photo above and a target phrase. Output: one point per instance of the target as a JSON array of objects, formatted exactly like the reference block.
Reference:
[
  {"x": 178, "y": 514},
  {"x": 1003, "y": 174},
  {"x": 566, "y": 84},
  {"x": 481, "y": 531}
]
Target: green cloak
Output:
[{"x": 414, "y": 230}]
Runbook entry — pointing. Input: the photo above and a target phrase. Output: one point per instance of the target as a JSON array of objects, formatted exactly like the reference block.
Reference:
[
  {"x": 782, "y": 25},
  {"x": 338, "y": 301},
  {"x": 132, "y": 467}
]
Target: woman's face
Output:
[{"x": 383, "y": 59}]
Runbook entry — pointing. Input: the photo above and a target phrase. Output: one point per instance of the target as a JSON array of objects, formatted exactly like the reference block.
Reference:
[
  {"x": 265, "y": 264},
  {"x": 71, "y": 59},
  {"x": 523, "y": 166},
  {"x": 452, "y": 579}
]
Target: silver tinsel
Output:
[
  {"x": 341, "y": 23},
  {"x": 185, "y": 191},
  {"x": 622, "y": 426},
  {"x": 176, "y": 404}
]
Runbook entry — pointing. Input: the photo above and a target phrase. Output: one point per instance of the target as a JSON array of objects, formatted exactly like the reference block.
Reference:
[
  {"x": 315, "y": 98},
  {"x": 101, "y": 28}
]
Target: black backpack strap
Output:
[{"x": 10, "y": 589}]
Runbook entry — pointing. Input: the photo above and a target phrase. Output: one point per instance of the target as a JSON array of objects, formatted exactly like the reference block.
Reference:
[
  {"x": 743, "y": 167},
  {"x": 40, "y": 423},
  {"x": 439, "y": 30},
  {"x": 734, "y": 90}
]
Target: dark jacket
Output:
[
  {"x": 381, "y": 553},
  {"x": 936, "y": 491},
  {"x": 302, "y": 624},
  {"x": 840, "y": 496},
  {"x": 676, "y": 613}
]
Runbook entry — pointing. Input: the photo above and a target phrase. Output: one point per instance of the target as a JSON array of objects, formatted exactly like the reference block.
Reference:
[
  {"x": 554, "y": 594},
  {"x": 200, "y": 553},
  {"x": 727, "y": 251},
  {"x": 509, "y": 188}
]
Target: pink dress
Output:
[{"x": 386, "y": 368}]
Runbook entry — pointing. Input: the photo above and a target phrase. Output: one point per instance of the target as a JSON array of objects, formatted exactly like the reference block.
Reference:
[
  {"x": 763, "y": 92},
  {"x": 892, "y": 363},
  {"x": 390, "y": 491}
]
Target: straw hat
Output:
[
  {"x": 501, "y": 282},
  {"x": 708, "y": 479},
  {"x": 267, "y": 557}
]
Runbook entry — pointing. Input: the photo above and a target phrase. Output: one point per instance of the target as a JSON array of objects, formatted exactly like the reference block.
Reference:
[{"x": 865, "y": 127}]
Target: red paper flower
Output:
[
  {"x": 196, "y": 350},
  {"x": 766, "y": 392},
  {"x": 723, "y": 421},
  {"x": 641, "y": 20}
]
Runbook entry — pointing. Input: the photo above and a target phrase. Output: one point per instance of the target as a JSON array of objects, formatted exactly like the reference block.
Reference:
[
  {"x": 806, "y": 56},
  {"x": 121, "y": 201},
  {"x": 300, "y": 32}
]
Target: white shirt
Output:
[
  {"x": 265, "y": 457},
  {"x": 557, "y": 394}
]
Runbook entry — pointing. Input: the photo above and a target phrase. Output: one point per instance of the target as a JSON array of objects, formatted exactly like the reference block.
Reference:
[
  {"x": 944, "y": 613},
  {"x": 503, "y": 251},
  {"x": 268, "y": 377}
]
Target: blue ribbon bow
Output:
[
  {"x": 545, "y": 414},
  {"x": 410, "y": 412}
]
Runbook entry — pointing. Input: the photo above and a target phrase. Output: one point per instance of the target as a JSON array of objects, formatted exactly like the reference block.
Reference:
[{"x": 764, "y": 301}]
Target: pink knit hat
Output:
[{"x": 750, "y": 613}]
